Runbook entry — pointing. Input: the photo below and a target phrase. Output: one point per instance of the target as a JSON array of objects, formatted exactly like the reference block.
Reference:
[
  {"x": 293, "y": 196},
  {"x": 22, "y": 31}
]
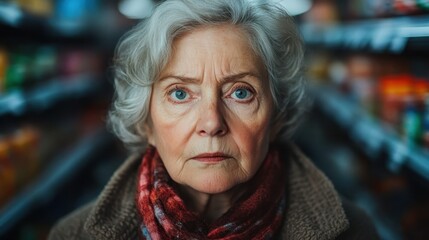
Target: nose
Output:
[{"x": 211, "y": 121}]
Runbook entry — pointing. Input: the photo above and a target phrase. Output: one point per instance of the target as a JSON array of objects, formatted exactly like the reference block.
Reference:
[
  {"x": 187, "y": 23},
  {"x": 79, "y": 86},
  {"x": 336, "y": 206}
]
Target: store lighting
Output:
[
  {"x": 136, "y": 9},
  {"x": 10, "y": 13}
]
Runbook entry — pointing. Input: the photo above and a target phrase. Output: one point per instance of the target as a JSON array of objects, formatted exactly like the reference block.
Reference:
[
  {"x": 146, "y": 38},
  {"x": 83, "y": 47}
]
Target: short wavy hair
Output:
[{"x": 145, "y": 50}]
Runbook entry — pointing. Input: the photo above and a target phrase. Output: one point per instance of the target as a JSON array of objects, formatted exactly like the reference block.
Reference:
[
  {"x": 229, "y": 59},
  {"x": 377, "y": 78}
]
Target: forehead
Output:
[
  {"x": 225, "y": 48},
  {"x": 222, "y": 33}
]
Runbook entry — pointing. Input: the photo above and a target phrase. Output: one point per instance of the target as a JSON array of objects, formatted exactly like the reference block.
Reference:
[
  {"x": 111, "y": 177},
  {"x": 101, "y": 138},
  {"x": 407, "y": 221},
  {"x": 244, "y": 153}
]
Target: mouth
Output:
[{"x": 211, "y": 157}]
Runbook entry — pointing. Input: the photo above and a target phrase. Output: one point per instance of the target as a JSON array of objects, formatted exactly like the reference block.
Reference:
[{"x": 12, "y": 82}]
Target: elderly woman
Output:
[{"x": 204, "y": 91}]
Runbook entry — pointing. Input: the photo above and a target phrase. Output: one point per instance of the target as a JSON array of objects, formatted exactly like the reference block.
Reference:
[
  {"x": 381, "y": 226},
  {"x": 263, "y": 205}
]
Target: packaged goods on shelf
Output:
[
  {"x": 75, "y": 10},
  {"x": 36, "y": 7},
  {"x": 404, "y": 7},
  {"x": 17, "y": 71},
  {"x": 426, "y": 121},
  {"x": 60, "y": 9},
  {"x": 391, "y": 89},
  {"x": 403, "y": 105},
  {"x": 371, "y": 91},
  {"x": 27, "y": 151},
  {"x": 53, "y": 99},
  {"x": 382, "y": 8},
  {"x": 24, "y": 68},
  {"x": 7, "y": 172},
  {"x": 24, "y": 151},
  {"x": 19, "y": 159},
  {"x": 322, "y": 13},
  {"x": 423, "y": 4},
  {"x": 360, "y": 78},
  {"x": 44, "y": 63},
  {"x": 411, "y": 122},
  {"x": 3, "y": 68},
  {"x": 77, "y": 61}
]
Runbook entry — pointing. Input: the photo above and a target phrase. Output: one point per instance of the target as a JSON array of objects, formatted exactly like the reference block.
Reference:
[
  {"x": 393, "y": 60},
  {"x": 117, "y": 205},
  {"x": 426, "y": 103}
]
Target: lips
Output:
[{"x": 211, "y": 157}]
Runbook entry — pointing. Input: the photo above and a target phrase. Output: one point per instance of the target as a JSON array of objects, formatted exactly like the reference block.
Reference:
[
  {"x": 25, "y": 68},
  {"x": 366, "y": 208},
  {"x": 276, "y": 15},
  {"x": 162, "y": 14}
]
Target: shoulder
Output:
[
  {"x": 72, "y": 226},
  {"x": 315, "y": 210},
  {"x": 112, "y": 215},
  {"x": 360, "y": 225}
]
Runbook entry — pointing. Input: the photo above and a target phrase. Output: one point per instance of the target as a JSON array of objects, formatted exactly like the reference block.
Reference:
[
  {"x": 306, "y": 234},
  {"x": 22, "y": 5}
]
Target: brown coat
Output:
[{"x": 314, "y": 209}]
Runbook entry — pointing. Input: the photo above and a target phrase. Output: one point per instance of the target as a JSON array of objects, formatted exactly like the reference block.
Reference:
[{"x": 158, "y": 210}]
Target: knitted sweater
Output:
[{"x": 314, "y": 209}]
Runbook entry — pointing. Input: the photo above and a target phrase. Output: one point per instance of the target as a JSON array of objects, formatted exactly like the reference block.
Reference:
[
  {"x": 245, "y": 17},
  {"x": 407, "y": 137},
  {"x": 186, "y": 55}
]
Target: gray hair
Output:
[{"x": 145, "y": 50}]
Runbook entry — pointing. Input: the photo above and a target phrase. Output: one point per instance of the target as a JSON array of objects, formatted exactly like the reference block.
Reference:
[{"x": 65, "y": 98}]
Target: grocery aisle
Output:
[
  {"x": 368, "y": 129},
  {"x": 55, "y": 90}
]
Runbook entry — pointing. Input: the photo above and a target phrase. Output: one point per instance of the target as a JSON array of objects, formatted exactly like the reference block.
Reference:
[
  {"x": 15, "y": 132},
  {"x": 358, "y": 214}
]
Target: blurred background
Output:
[{"x": 367, "y": 129}]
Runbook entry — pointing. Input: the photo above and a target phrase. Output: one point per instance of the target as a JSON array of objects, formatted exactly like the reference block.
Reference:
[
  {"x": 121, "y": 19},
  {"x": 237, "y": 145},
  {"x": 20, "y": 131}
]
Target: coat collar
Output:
[
  {"x": 114, "y": 215},
  {"x": 313, "y": 211}
]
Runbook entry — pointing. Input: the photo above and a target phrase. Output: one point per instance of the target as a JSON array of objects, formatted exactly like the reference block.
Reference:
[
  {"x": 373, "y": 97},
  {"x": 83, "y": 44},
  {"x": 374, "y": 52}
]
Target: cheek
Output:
[
  {"x": 250, "y": 128},
  {"x": 169, "y": 140},
  {"x": 250, "y": 133},
  {"x": 251, "y": 136},
  {"x": 170, "y": 130},
  {"x": 250, "y": 121}
]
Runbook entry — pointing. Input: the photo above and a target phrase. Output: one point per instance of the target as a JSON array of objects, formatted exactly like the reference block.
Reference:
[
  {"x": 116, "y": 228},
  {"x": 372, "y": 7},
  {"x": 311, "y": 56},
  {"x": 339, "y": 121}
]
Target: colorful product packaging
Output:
[
  {"x": 423, "y": 4},
  {"x": 411, "y": 122},
  {"x": 24, "y": 149},
  {"x": 37, "y": 7},
  {"x": 393, "y": 91},
  {"x": 17, "y": 71},
  {"x": 3, "y": 68},
  {"x": 7, "y": 172},
  {"x": 426, "y": 121}
]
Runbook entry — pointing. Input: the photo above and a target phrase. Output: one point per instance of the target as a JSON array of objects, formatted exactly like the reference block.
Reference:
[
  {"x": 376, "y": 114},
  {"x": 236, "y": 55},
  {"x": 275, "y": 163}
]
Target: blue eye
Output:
[
  {"x": 179, "y": 94},
  {"x": 241, "y": 94}
]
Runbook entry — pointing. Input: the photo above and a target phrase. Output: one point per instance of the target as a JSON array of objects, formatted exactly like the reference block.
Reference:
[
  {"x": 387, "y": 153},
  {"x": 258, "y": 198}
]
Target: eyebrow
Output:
[{"x": 229, "y": 78}]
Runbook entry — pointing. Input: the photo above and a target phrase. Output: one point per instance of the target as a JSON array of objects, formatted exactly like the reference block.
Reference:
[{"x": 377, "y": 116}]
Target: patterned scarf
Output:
[{"x": 258, "y": 215}]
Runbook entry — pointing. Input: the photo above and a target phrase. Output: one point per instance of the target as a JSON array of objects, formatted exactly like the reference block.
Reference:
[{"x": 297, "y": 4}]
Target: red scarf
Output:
[{"x": 258, "y": 215}]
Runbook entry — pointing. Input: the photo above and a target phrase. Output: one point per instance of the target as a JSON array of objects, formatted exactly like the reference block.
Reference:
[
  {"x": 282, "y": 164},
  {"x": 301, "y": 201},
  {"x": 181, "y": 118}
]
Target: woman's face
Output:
[{"x": 211, "y": 109}]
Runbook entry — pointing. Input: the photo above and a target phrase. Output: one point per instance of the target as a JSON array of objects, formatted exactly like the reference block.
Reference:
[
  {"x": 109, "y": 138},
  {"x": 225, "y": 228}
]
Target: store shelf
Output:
[
  {"x": 46, "y": 95},
  {"x": 381, "y": 35},
  {"x": 61, "y": 171},
  {"x": 371, "y": 135},
  {"x": 11, "y": 16}
]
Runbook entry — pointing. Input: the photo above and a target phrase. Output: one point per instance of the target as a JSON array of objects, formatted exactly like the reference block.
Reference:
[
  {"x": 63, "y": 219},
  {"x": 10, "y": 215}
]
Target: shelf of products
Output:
[
  {"x": 46, "y": 95},
  {"x": 64, "y": 19},
  {"x": 370, "y": 81},
  {"x": 370, "y": 134},
  {"x": 387, "y": 35},
  {"x": 36, "y": 76},
  {"x": 54, "y": 94},
  {"x": 387, "y": 103},
  {"x": 63, "y": 168},
  {"x": 392, "y": 26}
]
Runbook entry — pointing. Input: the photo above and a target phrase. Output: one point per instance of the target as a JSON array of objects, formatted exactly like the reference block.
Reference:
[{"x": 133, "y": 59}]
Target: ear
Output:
[
  {"x": 149, "y": 134},
  {"x": 145, "y": 129},
  {"x": 275, "y": 131}
]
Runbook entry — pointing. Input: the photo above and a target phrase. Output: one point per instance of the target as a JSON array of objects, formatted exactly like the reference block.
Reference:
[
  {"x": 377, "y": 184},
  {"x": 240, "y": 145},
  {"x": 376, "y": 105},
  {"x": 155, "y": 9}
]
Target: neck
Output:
[{"x": 210, "y": 206}]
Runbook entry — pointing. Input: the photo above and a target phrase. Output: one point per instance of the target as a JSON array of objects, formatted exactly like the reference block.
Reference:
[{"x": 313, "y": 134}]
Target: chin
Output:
[
  {"x": 210, "y": 189},
  {"x": 213, "y": 184}
]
